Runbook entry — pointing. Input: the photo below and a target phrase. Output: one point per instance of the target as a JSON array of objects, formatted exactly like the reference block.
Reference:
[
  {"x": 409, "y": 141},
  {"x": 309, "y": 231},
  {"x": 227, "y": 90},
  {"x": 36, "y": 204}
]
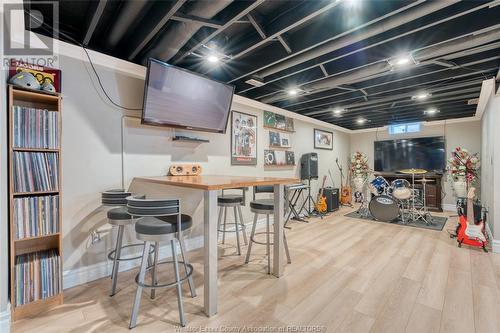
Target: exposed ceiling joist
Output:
[
  {"x": 168, "y": 15},
  {"x": 200, "y": 20},
  {"x": 256, "y": 25},
  {"x": 284, "y": 43},
  {"x": 184, "y": 53},
  {"x": 95, "y": 20}
]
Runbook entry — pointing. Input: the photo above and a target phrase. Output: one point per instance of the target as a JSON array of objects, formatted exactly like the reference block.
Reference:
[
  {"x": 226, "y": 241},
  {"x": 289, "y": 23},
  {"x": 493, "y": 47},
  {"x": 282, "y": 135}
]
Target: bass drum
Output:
[{"x": 384, "y": 208}]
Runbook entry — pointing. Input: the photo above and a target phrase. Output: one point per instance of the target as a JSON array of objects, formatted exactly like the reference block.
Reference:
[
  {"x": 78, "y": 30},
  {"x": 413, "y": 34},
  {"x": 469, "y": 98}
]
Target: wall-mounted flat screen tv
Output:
[
  {"x": 176, "y": 97},
  {"x": 421, "y": 153}
]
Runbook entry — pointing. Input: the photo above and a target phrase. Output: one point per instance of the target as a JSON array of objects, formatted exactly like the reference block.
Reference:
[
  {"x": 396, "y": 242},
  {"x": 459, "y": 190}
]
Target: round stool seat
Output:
[
  {"x": 262, "y": 204},
  {"x": 119, "y": 213},
  {"x": 230, "y": 199},
  {"x": 162, "y": 225}
]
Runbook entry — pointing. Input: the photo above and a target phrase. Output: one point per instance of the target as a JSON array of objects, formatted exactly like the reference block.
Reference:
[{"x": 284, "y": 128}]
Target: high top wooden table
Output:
[{"x": 211, "y": 185}]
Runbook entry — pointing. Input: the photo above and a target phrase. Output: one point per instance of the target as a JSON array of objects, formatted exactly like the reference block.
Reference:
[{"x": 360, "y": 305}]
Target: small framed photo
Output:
[
  {"x": 323, "y": 139},
  {"x": 243, "y": 139}
]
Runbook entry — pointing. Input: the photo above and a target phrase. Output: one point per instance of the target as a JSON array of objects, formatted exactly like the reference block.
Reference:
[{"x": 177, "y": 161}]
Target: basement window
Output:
[{"x": 404, "y": 128}]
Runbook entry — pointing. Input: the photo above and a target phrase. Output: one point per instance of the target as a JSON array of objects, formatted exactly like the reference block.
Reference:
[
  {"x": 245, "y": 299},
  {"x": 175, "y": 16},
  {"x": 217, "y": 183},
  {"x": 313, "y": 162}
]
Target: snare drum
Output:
[
  {"x": 401, "y": 189},
  {"x": 379, "y": 186}
]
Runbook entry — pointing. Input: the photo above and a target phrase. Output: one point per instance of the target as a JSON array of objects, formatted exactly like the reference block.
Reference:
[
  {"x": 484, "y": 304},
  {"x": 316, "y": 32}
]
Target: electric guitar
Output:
[
  {"x": 345, "y": 190},
  {"x": 321, "y": 206},
  {"x": 467, "y": 231}
]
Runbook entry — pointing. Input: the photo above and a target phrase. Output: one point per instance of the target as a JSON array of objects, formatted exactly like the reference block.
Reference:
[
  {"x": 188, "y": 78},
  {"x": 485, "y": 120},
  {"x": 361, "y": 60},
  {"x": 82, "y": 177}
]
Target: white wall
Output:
[
  {"x": 490, "y": 154},
  {"x": 91, "y": 156},
  {"x": 463, "y": 134}
]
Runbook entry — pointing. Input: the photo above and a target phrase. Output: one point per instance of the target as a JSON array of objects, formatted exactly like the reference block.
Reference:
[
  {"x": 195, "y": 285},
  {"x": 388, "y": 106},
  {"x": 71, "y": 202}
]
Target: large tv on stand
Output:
[
  {"x": 176, "y": 97},
  {"x": 427, "y": 153}
]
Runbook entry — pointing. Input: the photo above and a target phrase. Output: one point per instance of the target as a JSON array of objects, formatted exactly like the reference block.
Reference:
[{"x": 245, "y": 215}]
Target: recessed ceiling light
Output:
[
  {"x": 338, "y": 111},
  {"x": 402, "y": 60},
  {"x": 421, "y": 96},
  {"x": 213, "y": 58},
  {"x": 361, "y": 121},
  {"x": 431, "y": 111},
  {"x": 292, "y": 91}
]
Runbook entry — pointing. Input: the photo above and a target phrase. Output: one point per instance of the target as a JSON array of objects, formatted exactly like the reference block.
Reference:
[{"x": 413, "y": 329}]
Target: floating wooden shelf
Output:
[
  {"x": 279, "y": 129},
  {"x": 280, "y": 166},
  {"x": 52, "y": 102},
  {"x": 279, "y": 147}
]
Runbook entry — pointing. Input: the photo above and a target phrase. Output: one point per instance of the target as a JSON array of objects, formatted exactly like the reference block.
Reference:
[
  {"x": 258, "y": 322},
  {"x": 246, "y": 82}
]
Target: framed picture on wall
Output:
[
  {"x": 323, "y": 139},
  {"x": 243, "y": 138}
]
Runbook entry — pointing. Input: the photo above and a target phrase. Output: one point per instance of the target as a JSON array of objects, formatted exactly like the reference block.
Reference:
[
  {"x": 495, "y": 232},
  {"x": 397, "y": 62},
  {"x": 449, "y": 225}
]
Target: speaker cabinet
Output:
[
  {"x": 309, "y": 166},
  {"x": 332, "y": 198},
  {"x": 185, "y": 170}
]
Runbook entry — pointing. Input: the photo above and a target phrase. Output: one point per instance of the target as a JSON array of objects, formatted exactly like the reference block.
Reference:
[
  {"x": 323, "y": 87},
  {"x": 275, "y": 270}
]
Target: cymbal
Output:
[{"x": 413, "y": 171}]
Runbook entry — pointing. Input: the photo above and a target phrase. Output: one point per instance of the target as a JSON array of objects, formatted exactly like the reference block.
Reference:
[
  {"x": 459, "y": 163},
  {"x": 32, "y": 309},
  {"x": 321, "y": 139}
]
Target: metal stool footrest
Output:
[
  {"x": 165, "y": 285},
  {"x": 242, "y": 227},
  {"x": 252, "y": 239},
  {"x": 111, "y": 255}
]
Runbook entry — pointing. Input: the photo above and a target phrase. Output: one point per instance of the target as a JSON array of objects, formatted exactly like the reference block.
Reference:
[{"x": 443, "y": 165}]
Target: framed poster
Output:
[
  {"x": 243, "y": 139},
  {"x": 323, "y": 139},
  {"x": 278, "y": 158}
]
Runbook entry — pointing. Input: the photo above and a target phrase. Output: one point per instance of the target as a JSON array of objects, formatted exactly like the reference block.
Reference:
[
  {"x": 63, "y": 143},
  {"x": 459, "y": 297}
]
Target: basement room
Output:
[{"x": 221, "y": 166}]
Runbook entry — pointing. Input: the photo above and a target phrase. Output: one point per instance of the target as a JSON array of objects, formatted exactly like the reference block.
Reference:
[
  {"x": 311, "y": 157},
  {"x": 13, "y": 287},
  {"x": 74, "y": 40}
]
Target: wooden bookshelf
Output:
[{"x": 51, "y": 102}]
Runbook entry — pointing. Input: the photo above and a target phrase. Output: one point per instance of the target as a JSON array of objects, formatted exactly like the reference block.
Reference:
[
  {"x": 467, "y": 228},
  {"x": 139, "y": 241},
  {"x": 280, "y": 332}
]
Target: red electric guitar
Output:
[{"x": 467, "y": 231}]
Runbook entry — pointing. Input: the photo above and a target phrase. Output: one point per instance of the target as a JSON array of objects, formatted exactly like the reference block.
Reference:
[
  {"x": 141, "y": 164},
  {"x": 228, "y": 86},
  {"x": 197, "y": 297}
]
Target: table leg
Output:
[
  {"x": 210, "y": 255},
  {"x": 278, "y": 230}
]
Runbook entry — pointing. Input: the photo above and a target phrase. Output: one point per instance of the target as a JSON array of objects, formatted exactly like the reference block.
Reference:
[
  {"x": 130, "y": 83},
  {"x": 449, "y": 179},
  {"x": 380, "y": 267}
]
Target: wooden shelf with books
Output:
[{"x": 35, "y": 220}]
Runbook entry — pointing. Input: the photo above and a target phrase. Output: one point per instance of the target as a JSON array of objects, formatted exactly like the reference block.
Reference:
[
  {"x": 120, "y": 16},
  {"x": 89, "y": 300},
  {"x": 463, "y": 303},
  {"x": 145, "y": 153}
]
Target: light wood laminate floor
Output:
[{"x": 347, "y": 275}]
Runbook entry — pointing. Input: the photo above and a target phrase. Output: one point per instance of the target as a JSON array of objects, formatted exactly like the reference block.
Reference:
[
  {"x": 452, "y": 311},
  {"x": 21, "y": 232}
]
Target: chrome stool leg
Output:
[
  {"x": 192, "y": 289},
  {"x": 138, "y": 293},
  {"x": 179, "y": 286},
  {"x": 224, "y": 233},
  {"x": 116, "y": 262},
  {"x": 237, "y": 229},
  {"x": 243, "y": 226},
  {"x": 252, "y": 235},
  {"x": 154, "y": 272}
]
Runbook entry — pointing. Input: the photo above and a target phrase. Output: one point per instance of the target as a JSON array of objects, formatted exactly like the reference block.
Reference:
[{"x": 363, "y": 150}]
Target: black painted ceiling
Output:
[{"x": 337, "y": 55}]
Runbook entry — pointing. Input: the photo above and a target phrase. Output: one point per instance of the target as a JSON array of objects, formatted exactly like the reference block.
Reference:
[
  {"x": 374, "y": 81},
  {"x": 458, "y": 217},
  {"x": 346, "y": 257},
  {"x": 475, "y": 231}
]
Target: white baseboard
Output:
[
  {"x": 77, "y": 276},
  {"x": 81, "y": 275},
  {"x": 5, "y": 320},
  {"x": 495, "y": 245},
  {"x": 449, "y": 207}
]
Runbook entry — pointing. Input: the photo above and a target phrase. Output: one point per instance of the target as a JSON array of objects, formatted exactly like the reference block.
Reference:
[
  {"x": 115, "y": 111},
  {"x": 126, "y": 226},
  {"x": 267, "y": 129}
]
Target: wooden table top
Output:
[{"x": 219, "y": 182}]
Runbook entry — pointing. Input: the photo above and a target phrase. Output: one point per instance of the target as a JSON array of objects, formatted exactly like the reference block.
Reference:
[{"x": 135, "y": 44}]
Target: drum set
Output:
[{"x": 397, "y": 199}]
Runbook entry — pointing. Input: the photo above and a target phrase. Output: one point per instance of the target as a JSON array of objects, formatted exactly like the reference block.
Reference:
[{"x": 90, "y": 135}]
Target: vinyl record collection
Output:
[
  {"x": 35, "y": 172},
  {"x": 36, "y": 216},
  {"x": 35, "y": 128},
  {"x": 37, "y": 276}
]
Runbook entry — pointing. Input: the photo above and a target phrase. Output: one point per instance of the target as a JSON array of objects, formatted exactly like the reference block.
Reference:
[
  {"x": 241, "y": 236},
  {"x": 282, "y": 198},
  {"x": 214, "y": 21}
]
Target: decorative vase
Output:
[
  {"x": 357, "y": 183},
  {"x": 460, "y": 187}
]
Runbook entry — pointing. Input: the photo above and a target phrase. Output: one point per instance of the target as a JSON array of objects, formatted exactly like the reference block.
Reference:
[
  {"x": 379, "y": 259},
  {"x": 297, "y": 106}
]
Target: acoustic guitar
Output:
[
  {"x": 321, "y": 206},
  {"x": 467, "y": 231}
]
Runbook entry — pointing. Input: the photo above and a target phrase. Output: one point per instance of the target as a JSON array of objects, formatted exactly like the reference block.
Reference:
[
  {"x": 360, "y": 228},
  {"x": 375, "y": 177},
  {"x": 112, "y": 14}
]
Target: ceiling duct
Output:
[
  {"x": 384, "y": 68},
  {"x": 178, "y": 33},
  {"x": 378, "y": 28}
]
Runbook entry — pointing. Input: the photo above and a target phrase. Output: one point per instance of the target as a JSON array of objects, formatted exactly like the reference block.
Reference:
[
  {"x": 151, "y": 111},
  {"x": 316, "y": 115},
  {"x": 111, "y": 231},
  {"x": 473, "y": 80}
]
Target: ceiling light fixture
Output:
[
  {"x": 431, "y": 111},
  {"x": 213, "y": 58},
  {"x": 293, "y": 91},
  {"x": 421, "y": 96},
  {"x": 361, "y": 121},
  {"x": 338, "y": 111},
  {"x": 402, "y": 60}
]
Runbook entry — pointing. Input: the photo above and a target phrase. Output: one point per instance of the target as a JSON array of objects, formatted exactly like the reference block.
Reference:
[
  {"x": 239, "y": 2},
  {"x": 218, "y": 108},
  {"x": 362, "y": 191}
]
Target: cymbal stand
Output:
[{"x": 421, "y": 212}]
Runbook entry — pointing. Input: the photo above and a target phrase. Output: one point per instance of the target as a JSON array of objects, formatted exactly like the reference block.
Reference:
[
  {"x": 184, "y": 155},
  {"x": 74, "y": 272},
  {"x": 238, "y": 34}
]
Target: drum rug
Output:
[{"x": 438, "y": 222}]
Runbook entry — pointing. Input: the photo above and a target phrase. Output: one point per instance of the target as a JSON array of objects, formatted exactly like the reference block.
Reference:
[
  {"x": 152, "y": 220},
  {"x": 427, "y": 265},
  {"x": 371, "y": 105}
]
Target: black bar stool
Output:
[
  {"x": 160, "y": 220},
  {"x": 226, "y": 201},
  {"x": 266, "y": 207},
  {"x": 119, "y": 217}
]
